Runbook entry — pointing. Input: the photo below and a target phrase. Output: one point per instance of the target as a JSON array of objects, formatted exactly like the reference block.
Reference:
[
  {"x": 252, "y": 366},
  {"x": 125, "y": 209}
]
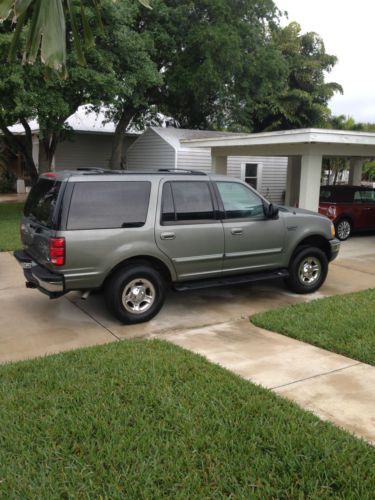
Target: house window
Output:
[{"x": 250, "y": 174}]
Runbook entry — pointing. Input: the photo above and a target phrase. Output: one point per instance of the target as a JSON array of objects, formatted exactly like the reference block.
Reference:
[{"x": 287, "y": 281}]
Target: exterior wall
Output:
[
  {"x": 194, "y": 159},
  {"x": 85, "y": 150},
  {"x": 272, "y": 174},
  {"x": 150, "y": 151}
]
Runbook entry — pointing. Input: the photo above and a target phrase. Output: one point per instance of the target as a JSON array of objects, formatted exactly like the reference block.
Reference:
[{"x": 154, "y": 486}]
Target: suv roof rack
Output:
[
  {"x": 96, "y": 170},
  {"x": 90, "y": 169},
  {"x": 181, "y": 171}
]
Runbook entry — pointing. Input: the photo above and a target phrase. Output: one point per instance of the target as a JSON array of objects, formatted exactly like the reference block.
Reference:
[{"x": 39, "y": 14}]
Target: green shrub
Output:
[{"x": 7, "y": 181}]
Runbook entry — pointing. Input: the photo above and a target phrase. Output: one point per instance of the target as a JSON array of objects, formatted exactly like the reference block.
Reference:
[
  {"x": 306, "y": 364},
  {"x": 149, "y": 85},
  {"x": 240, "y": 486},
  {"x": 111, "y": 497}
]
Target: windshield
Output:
[{"x": 41, "y": 202}]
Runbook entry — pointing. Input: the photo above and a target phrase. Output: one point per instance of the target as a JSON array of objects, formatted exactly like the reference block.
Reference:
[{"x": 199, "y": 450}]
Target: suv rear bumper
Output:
[
  {"x": 48, "y": 282},
  {"x": 335, "y": 248}
]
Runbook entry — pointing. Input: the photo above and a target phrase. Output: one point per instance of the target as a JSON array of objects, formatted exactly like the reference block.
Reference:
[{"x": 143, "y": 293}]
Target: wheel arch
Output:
[
  {"x": 145, "y": 260},
  {"x": 315, "y": 240},
  {"x": 345, "y": 215}
]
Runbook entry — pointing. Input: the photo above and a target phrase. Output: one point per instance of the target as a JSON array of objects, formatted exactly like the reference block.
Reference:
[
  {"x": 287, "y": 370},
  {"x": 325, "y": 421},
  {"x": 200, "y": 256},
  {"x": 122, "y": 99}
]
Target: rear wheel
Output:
[
  {"x": 136, "y": 294},
  {"x": 307, "y": 271},
  {"x": 343, "y": 229}
]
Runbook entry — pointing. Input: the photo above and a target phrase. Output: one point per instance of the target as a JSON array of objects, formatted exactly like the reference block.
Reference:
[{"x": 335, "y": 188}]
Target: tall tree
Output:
[
  {"x": 205, "y": 63},
  {"x": 216, "y": 59},
  {"x": 25, "y": 93},
  {"x": 303, "y": 99},
  {"x": 130, "y": 51}
]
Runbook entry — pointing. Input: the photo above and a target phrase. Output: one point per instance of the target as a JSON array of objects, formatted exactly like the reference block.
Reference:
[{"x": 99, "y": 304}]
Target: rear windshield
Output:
[{"x": 41, "y": 202}]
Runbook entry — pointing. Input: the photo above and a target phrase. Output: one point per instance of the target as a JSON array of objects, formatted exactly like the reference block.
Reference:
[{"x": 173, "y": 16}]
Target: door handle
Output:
[
  {"x": 236, "y": 231},
  {"x": 167, "y": 236}
]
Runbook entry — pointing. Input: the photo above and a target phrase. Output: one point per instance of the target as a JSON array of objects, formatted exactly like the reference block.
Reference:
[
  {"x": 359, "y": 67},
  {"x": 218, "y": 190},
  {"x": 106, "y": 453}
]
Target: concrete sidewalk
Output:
[
  {"x": 12, "y": 198},
  {"x": 334, "y": 387}
]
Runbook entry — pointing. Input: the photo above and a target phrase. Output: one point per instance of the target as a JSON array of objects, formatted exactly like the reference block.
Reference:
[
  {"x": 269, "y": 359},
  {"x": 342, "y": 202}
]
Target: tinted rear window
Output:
[
  {"x": 106, "y": 205},
  {"x": 187, "y": 201},
  {"x": 41, "y": 202}
]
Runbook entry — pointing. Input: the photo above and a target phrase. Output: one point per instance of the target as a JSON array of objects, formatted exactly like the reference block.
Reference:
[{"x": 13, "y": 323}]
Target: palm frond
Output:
[{"x": 46, "y": 31}]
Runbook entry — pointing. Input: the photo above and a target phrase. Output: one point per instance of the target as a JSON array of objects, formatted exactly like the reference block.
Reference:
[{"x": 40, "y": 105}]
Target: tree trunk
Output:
[
  {"x": 50, "y": 145},
  {"x": 336, "y": 175},
  {"x": 115, "y": 161},
  {"x": 25, "y": 149}
]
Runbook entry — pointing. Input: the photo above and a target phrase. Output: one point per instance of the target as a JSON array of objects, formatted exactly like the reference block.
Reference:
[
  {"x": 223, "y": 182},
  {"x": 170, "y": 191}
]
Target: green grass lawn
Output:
[
  {"x": 10, "y": 215},
  {"x": 344, "y": 324},
  {"x": 145, "y": 419}
]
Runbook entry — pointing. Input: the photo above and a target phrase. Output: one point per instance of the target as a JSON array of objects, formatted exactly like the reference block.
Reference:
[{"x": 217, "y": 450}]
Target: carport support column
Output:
[
  {"x": 293, "y": 181},
  {"x": 311, "y": 169},
  {"x": 219, "y": 165},
  {"x": 355, "y": 172}
]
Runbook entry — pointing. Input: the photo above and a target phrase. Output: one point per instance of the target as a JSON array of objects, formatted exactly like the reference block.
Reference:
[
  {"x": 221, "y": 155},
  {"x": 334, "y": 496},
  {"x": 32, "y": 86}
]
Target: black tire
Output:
[
  {"x": 125, "y": 290},
  {"x": 303, "y": 279},
  {"x": 343, "y": 228}
]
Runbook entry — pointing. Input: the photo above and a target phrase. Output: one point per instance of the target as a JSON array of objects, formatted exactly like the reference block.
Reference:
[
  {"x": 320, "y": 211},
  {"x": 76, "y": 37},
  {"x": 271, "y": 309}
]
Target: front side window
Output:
[
  {"x": 240, "y": 202},
  {"x": 107, "y": 205},
  {"x": 184, "y": 201}
]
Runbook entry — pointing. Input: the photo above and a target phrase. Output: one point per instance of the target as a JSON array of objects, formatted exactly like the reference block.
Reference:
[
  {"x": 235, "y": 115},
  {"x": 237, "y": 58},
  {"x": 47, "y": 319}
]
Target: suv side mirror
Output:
[{"x": 271, "y": 211}]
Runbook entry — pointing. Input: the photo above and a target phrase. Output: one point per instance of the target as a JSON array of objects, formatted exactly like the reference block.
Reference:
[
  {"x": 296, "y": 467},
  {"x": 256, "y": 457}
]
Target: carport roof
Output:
[
  {"x": 310, "y": 141},
  {"x": 298, "y": 136}
]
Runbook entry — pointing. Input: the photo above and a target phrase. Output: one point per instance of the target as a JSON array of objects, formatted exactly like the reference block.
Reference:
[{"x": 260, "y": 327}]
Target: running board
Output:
[{"x": 230, "y": 280}]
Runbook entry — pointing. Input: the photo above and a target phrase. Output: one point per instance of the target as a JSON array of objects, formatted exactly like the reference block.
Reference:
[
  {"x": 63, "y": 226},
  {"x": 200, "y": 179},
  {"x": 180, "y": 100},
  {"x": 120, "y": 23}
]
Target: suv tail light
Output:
[{"x": 57, "y": 251}]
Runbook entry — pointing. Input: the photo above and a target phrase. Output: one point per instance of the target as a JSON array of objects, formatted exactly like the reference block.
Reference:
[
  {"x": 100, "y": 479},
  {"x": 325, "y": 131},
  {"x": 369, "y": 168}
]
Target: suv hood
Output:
[{"x": 293, "y": 210}]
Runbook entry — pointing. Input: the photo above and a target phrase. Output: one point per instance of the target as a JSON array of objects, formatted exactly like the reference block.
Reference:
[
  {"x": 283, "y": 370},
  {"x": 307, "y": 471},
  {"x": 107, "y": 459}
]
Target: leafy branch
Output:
[{"x": 46, "y": 29}]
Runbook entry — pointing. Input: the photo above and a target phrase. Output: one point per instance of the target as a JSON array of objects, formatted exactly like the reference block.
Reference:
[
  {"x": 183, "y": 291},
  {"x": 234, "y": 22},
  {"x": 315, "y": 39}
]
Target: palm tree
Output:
[{"x": 46, "y": 32}]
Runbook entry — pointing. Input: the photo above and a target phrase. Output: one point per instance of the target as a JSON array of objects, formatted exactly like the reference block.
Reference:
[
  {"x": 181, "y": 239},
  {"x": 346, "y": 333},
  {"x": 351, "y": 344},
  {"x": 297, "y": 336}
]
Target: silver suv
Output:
[{"x": 134, "y": 234}]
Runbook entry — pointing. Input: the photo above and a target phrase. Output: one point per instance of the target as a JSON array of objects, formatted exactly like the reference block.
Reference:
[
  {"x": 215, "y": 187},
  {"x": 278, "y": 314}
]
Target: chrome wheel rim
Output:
[
  {"x": 138, "y": 296},
  {"x": 309, "y": 270},
  {"x": 343, "y": 229}
]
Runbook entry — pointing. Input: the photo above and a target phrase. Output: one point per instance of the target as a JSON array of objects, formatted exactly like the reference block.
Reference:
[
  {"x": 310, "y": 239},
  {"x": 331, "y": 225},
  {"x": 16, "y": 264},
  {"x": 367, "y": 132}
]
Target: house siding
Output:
[
  {"x": 150, "y": 151},
  {"x": 194, "y": 159},
  {"x": 272, "y": 177},
  {"x": 86, "y": 150}
]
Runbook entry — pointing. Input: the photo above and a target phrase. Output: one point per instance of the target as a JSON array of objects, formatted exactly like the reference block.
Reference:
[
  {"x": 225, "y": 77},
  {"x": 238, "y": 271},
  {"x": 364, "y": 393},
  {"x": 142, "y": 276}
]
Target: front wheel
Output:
[
  {"x": 343, "y": 229},
  {"x": 307, "y": 271},
  {"x": 136, "y": 294}
]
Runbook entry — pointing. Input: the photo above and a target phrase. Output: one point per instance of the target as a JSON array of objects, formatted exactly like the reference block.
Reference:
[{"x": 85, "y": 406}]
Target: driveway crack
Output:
[
  {"x": 353, "y": 269},
  {"x": 316, "y": 376},
  {"x": 93, "y": 318}
]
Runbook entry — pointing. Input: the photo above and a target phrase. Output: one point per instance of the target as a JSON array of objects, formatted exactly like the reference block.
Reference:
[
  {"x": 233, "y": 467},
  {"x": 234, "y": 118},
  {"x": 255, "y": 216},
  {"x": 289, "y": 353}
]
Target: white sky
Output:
[{"x": 347, "y": 29}]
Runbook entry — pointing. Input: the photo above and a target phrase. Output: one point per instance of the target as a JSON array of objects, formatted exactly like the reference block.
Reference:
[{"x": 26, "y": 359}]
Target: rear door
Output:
[
  {"x": 109, "y": 220},
  {"x": 40, "y": 218},
  {"x": 367, "y": 199},
  {"x": 188, "y": 230},
  {"x": 252, "y": 241}
]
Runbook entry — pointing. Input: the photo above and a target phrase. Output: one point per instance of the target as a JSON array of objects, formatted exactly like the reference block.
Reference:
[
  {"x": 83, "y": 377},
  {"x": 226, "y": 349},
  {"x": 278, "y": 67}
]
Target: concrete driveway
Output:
[
  {"x": 32, "y": 325},
  {"x": 214, "y": 323}
]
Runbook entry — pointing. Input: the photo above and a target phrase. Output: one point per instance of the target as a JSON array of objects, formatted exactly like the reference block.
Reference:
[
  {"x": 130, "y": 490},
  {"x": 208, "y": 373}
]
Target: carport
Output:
[{"x": 305, "y": 149}]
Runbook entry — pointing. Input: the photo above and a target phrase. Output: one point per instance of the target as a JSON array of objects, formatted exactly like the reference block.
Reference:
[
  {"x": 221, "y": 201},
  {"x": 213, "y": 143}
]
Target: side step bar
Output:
[{"x": 231, "y": 280}]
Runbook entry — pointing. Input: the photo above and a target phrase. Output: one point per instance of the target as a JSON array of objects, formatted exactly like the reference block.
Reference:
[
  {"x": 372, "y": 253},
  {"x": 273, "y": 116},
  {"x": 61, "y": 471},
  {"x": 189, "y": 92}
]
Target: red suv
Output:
[{"x": 350, "y": 208}]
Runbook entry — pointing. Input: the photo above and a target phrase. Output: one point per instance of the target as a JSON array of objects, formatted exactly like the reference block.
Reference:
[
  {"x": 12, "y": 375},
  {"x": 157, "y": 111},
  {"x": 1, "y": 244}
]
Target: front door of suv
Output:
[
  {"x": 188, "y": 230},
  {"x": 253, "y": 242}
]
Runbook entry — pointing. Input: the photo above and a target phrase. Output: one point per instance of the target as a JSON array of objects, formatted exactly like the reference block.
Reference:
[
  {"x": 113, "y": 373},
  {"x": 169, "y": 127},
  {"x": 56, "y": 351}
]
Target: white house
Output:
[{"x": 160, "y": 147}]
